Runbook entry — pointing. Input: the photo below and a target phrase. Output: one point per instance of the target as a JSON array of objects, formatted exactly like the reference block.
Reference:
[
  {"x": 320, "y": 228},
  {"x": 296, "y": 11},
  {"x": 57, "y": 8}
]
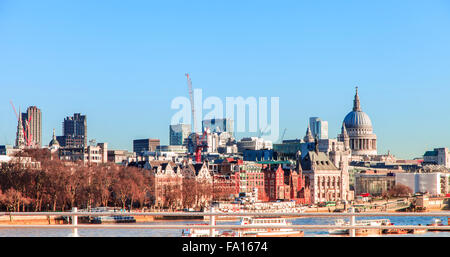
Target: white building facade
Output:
[{"x": 432, "y": 183}]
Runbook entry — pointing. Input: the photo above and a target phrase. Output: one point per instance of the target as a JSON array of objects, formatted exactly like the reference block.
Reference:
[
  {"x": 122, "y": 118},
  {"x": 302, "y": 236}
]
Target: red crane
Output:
[{"x": 202, "y": 142}]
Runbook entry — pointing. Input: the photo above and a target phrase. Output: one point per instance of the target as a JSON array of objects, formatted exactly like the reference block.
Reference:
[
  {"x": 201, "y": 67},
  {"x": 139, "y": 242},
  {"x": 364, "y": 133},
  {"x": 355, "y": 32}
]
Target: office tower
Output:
[
  {"x": 179, "y": 133},
  {"x": 145, "y": 145},
  {"x": 218, "y": 125},
  {"x": 32, "y": 122},
  {"x": 74, "y": 131},
  {"x": 319, "y": 128}
]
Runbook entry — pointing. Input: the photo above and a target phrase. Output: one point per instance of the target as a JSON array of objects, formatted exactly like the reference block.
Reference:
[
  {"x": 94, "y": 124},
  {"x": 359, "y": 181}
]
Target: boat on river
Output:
[
  {"x": 268, "y": 232},
  {"x": 199, "y": 232},
  {"x": 361, "y": 230},
  {"x": 437, "y": 222},
  {"x": 261, "y": 229},
  {"x": 111, "y": 218},
  {"x": 418, "y": 231}
]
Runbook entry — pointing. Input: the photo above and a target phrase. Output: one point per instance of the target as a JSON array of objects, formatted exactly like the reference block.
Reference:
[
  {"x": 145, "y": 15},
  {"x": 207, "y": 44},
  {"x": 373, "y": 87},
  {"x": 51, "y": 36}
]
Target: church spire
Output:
[
  {"x": 316, "y": 145},
  {"x": 20, "y": 139},
  {"x": 344, "y": 130},
  {"x": 356, "y": 103},
  {"x": 344, "y": 137},
  {"x": 308, "y": 137},
  {"x": 298, "y": 165}
]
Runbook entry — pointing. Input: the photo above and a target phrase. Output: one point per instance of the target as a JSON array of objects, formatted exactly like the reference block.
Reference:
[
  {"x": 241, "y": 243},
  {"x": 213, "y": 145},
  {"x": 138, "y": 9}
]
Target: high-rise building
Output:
[
  {"x": 179, "y": 133},
  {"x": 145, "y": 145},
  {"x": 32, "y": 122},
  {"x": 439, "y": 156},
  {"x": 319, "y": 128},
  {"x": 218, "y": 125},
  {"x": 74, "y": 131}
]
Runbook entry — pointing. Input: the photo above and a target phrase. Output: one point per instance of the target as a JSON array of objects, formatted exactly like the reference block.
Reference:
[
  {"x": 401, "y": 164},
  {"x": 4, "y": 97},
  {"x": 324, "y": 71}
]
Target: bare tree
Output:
[{"x": 400, "y": 190}]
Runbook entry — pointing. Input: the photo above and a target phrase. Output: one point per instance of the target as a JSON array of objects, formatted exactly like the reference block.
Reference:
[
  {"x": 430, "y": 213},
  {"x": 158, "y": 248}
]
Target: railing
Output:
[{"x": 212, "y": 226}]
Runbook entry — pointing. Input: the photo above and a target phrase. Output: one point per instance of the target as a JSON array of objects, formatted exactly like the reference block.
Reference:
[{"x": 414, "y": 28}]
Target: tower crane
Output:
[
  {"x": 201, "y": 142},
  {"x": 282, "y": 136}
]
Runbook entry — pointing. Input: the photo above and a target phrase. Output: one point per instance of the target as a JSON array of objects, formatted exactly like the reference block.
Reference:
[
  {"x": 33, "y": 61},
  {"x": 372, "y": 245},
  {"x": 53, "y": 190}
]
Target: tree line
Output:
[{"x": 60, "y": 186}]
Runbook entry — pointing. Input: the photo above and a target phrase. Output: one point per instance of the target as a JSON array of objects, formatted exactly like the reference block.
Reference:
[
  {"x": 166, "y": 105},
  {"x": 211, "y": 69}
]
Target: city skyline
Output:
[{"x": 123, "y": 73}]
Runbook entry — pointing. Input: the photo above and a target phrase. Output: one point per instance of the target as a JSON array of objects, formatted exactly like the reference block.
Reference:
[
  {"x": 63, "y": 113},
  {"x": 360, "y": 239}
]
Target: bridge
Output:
[{"x": 74, "y": 214}]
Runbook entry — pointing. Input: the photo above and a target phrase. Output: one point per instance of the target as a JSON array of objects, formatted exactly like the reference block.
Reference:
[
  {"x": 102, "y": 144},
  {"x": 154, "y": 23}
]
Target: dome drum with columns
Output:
[{"x": 357, "y": 129}]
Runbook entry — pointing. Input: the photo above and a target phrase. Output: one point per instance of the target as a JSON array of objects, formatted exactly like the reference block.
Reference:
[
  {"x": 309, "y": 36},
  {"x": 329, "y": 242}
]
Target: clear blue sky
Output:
[{"x": 122, "y": 62}]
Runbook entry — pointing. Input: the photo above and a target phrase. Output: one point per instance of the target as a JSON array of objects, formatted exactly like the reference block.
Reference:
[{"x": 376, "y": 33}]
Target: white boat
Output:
[
  {"x": 360, "y": 223},
  {"x": 199, "y": 232},
  {"x": 113, "y": 219},
  {"x": 110, "y": 218},
  {"x": 248, "y": 232},
  {"x": 267, "y": 232},
  {"x": 341, "y": 231}
]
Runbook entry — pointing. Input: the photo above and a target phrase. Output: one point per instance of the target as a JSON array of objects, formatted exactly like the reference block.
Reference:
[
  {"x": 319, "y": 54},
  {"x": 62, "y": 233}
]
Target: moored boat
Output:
[
  {"x": 339, "y": 222},
  {"x": 360, "y": 231},
  {"x": 437, "y": 222},
  {"x": 199, "y": 232},
  {"x": 268, "y": 232},
  {"x": 395, "y": 231},
  {"x": 418, "y": 231},
  {"x": 112, "y": 219}
]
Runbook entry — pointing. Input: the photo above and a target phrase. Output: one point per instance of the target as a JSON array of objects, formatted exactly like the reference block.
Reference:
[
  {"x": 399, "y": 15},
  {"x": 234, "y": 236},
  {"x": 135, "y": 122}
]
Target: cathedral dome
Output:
[
  {"x": 358, "y": 131},
  {"x": 54, "y": 142},
  {"x": 357, "y": 119}
]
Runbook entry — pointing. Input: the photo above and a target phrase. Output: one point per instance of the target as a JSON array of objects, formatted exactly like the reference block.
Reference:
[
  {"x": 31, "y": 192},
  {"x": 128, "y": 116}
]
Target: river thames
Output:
[{"x": 33, "y": 232}]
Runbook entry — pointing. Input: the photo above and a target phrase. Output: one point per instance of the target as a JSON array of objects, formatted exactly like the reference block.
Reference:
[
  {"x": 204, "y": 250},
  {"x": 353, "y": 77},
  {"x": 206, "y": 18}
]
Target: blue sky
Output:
[{"x": 122, "y": 62}]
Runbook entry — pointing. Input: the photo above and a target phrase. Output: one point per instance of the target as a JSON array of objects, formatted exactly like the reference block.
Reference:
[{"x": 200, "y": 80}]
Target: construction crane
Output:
[
  {"x": 262, "y": 131},
  {"x": 202, "y": 142},
  {"x": 26, "y": 129},
  {"x": 282, "y": 136}
]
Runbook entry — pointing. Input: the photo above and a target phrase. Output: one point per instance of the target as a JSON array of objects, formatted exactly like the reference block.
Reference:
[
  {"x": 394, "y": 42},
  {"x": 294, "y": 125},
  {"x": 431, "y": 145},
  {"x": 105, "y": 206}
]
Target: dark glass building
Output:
[{"x": 74, "y": 131}]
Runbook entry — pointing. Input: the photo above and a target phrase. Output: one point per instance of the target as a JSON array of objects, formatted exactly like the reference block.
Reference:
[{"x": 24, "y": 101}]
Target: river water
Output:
[{"x": 30, "y": 232}]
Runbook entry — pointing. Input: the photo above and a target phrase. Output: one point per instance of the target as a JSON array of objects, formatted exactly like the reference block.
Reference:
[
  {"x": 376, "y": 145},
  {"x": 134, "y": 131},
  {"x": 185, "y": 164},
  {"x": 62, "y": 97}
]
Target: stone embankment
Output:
[
  {"x": 31, "y": 220},
  {"x": 50, "y": 220}
]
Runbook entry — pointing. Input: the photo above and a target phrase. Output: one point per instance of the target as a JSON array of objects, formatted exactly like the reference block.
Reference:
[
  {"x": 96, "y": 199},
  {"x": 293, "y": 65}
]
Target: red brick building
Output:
[
  {"x": 274, "y": 183},
  {"x": 225, "y": 187},
  {"x": 299, "y": 191},
  {"x": 285, "y": 184},
  {"x": 251, "y": 177}
]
